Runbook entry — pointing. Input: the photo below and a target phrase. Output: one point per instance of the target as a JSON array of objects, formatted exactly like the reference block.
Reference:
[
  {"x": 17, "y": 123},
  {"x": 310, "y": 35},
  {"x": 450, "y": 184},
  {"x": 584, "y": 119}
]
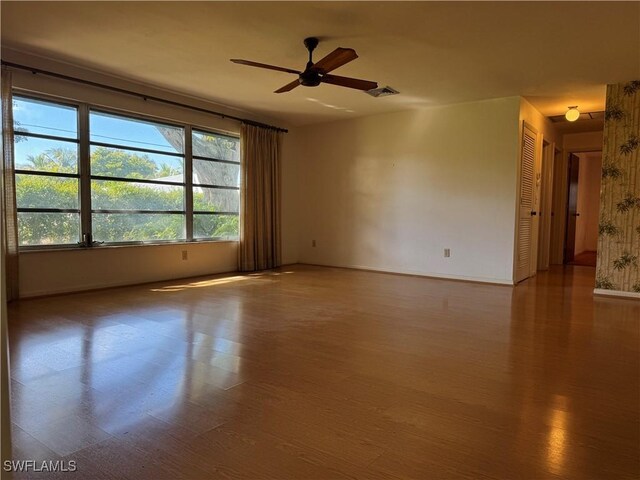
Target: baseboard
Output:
[
  {"x": 616, "y": 293},
  {"x": 440, "y": 276},
  {"x": 106, "y": 286},
  {"x": 290, "y": 264}
]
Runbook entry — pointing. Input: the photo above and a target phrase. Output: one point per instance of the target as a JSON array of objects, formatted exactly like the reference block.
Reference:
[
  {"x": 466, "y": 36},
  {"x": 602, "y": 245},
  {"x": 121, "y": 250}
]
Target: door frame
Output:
[
  {"x": 560, "y": 196},
  {"x": 568, "y": 206}
]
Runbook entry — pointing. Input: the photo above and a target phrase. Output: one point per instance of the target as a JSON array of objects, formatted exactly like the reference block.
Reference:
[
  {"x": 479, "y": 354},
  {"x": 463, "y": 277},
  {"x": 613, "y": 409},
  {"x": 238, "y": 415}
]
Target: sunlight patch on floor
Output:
[{"x": 217, "y": 281}]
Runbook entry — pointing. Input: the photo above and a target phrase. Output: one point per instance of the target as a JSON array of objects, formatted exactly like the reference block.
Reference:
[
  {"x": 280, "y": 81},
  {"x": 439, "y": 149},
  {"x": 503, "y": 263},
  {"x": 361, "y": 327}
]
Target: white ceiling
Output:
[{"x": 554, "y": 53}]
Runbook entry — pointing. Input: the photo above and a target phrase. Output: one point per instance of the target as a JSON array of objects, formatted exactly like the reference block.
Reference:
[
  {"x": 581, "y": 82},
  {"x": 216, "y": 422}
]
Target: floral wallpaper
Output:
[{"x": 619, "y": 232}]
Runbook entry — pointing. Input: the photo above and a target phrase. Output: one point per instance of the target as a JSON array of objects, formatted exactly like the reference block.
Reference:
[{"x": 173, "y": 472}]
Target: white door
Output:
[{"x": 526, "y": 202}]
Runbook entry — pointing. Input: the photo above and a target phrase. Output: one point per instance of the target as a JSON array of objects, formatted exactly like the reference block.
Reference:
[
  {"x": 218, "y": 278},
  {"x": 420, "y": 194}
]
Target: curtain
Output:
[
  {"x": 8, "y": 186},
  {"x": 259, "y": 247}
]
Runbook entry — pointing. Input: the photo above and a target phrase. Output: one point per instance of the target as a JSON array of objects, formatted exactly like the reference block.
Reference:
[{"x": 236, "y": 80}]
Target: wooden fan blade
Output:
[
  {"x": 288, "y": 87},
  {"x": 264, "y": 65},
  {"x": 349, "y": 82},
  {"x": 335, "y": 59}
]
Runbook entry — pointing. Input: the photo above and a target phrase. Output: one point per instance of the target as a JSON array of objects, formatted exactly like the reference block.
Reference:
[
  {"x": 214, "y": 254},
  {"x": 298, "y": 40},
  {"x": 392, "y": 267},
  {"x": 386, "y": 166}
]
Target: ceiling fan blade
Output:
[
  {"x": 264, "y": 65},
  {"x": 288, "y": 86},
  {"x": 335, "y": 59},
  {"x": 349, "y": 82}
]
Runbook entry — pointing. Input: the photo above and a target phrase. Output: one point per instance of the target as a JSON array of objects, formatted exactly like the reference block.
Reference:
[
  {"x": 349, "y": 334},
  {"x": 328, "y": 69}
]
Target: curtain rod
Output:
[{"x": 141, "y": 95}]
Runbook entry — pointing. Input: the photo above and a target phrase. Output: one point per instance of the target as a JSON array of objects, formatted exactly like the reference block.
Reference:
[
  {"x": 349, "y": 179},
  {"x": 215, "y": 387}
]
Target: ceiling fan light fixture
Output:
[{"x": 572, "y": 114}]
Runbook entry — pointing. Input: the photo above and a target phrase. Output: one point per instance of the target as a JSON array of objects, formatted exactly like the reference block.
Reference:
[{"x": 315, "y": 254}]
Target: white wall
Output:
[
  {"x": 392, "y": 191},
  {"x": 48, "y": 272}
]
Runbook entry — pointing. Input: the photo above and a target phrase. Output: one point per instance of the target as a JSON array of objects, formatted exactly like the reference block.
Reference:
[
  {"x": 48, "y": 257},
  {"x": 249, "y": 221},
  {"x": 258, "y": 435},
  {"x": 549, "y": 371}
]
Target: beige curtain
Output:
[
  {"x": 260, "y": 199},
  {"x": 8, "y": 186}
]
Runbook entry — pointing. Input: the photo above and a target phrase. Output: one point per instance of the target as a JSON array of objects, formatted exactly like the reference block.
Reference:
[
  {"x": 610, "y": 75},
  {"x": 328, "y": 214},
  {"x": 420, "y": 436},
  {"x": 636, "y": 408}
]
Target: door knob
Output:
[{"x": 533, "y": 213}]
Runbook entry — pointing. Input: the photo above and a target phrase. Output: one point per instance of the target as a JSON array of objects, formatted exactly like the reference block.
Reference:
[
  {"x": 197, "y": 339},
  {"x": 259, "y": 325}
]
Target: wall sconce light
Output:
[{"x": 572, "y": 114}]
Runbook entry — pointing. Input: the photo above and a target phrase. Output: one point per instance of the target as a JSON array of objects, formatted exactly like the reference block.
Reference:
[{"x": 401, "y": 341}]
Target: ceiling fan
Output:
[{"x": 316, "y": 73}]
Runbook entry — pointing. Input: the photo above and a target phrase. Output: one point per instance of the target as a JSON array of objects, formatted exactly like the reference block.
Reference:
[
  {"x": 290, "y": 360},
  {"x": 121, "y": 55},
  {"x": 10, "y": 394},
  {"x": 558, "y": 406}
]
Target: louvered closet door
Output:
[{"x": 526, "y": 191}]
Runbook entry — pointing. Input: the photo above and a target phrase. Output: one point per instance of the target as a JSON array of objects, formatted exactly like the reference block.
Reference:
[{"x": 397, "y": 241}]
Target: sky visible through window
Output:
[
  {"x": 37, "y": 117},
  {"x": 107, "y": 128}
]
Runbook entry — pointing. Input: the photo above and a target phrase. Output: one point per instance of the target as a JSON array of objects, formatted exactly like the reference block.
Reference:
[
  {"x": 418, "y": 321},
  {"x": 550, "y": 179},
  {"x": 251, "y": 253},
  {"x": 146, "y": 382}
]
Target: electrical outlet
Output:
[
  {"x": 184, "y": 255},
  {"x": 447, "y": 252},
  {"x": 313, "y": 243}
]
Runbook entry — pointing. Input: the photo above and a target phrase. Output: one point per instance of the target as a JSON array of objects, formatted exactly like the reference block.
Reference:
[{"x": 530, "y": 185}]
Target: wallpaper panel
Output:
[{"x": 619, "y": 229}]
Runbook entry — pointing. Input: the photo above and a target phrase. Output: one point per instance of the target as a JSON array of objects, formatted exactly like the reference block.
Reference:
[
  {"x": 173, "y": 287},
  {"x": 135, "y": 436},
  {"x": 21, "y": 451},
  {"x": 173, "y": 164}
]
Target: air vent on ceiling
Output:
[{"x": 382, "y": 91}]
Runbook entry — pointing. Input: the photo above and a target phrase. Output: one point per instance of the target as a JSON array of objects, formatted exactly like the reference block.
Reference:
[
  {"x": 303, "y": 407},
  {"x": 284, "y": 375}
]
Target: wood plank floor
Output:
[
  {"x": 323, "y": 373},
  {"x": 585, "y": 259}
]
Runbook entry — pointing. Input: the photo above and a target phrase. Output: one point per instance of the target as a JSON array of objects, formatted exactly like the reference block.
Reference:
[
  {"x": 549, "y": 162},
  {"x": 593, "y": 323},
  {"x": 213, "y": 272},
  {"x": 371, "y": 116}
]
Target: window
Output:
[
  {"x": 123, "y": 179},
  {"x": 47, "y": 174},
  {"x": 216, "y": 185},
  {"x": 137, "y": 179}
]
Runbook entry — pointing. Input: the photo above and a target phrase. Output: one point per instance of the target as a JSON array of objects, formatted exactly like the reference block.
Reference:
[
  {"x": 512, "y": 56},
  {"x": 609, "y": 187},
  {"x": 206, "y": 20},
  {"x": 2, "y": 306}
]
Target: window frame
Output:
[
  {"x": 185, "y": 210},
  {"x": 212, "y": 186},
  {"x": 77, "y": 175},
  {"x": 84, "y": 176}
]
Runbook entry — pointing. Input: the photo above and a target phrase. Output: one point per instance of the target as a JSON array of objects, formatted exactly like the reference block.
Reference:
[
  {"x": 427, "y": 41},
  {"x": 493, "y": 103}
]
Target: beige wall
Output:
[
  {"x": 390, "y": 192},
  {"x": 292, "y": 165},
  {"x": 539, "y": 122},
  {"x": 588, "y": 202},
  {"x": 46, "y": 272}
]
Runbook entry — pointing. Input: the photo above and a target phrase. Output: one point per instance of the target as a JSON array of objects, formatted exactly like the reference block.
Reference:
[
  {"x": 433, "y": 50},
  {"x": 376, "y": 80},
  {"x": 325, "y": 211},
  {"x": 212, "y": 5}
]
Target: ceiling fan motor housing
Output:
[{"x": 310, "y": 78}]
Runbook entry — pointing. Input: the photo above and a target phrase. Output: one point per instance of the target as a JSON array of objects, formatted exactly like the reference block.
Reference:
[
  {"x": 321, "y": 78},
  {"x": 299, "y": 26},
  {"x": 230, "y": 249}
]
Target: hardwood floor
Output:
[
  {"x": 586, "y": 259},
  {"x": 322, "y": 373}
]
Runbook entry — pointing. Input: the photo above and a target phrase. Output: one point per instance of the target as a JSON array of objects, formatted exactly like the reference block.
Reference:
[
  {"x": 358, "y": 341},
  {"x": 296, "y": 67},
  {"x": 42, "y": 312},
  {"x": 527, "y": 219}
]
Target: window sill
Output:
[{"x": 75, "y": 248}]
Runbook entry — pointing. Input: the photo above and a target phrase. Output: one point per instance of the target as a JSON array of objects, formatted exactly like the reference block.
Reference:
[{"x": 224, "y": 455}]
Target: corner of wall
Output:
[
  {"x": 538, "y": 121},
  {"x": 290, "y": 199}
]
